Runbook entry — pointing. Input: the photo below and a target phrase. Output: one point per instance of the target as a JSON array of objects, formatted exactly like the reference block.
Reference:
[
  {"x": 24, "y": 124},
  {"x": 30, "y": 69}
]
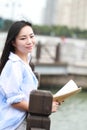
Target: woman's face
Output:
[{"x": 24, "y": 41}]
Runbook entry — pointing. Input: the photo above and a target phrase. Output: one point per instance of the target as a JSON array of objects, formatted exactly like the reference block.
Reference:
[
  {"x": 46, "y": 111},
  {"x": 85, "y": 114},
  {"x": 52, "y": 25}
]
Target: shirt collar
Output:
[{"x": 15, "y": 57}]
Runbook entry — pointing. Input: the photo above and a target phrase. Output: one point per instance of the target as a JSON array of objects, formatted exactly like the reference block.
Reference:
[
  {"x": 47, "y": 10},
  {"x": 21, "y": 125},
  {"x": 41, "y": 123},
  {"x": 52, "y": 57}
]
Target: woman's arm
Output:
[{"x": 23, "y": 105}]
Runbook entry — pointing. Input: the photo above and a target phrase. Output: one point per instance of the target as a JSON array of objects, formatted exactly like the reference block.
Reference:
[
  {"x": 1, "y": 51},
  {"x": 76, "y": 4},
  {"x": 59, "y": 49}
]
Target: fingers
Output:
[
  {"x": 55, "y": 105},
  {"x": 60, "y": 103}
]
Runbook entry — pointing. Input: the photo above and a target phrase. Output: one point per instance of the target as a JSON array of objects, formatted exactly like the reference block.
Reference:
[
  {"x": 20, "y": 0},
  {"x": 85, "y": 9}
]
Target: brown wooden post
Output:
[
  {"x": 38, "y": 51},
  {"x": 57, "y": 55},
  {"x": 40, "y": 107}
]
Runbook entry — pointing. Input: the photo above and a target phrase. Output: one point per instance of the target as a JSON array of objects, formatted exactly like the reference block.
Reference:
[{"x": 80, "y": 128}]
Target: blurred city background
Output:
[
  {"x": 61, "y": 32},
  {"x": 60, "y": 53}
]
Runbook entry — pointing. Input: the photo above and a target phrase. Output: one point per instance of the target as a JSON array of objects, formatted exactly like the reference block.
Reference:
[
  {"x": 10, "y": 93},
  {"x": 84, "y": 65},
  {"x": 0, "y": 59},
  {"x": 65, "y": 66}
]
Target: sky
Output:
[{"x": 31, "y": 10}]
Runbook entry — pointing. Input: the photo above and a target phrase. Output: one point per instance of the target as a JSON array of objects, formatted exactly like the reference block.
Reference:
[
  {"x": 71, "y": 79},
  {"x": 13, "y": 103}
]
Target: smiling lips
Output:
[{"x": 29, "y": 47}]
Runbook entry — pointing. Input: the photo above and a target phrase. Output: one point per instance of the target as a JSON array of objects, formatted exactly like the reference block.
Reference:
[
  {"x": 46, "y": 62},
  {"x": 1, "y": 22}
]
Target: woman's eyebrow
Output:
[
  {"x": 24, "y": 35},
  {"x": 31, "y": 34}
]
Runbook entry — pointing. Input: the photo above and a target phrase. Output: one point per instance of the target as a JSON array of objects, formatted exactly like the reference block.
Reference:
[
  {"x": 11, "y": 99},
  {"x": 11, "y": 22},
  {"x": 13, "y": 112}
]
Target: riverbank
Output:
[
  {"x": 57, "y": 81},
  {"x": 57, "y": 75}
]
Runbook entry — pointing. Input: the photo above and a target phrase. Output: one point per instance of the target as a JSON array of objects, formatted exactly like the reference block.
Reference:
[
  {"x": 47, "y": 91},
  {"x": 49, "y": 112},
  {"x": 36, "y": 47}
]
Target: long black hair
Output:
[{"x": 11, "y": 36}]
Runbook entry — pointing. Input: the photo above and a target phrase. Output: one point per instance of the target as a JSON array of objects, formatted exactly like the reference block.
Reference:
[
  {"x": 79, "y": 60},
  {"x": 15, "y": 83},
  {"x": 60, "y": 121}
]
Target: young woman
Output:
[{"x": 16, "y": 77}]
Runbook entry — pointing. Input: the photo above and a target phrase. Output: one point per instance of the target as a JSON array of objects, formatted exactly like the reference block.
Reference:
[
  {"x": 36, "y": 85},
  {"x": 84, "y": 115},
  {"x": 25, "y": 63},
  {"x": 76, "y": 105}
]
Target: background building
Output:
[{"x": 71, "y": 13}]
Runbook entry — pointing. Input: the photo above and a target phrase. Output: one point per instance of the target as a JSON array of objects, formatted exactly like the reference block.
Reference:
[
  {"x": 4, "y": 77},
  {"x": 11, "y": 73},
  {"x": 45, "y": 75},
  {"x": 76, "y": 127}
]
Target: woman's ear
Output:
[{"x": 13, "y": 43}]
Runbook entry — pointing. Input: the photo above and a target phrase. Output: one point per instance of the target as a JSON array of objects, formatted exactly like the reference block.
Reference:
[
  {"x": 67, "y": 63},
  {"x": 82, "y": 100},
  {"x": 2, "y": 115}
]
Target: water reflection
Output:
[{"x": 72, "y": 114}]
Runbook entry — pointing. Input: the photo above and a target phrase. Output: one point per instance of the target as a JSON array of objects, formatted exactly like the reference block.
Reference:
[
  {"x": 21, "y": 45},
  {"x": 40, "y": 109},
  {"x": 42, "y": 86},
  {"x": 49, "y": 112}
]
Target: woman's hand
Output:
[{"x": 55, "y": 105}]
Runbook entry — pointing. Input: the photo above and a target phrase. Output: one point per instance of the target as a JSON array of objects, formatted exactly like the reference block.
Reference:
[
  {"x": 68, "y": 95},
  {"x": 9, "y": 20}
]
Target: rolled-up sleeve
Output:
[
  {"x": 15, "y": 98},
  {"x": 10, "y": 82}
]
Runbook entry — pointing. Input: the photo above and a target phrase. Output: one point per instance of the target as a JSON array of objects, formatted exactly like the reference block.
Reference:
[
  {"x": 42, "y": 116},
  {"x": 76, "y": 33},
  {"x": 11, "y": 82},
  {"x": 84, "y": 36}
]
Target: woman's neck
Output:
[{"x": 24, "y": 57}]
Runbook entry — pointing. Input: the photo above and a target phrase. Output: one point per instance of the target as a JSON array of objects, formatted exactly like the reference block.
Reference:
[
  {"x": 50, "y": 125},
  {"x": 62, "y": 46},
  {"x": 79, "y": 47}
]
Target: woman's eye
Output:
[
  {"x": 22, "y": 38},
  {"x": 32, "y": 36}
]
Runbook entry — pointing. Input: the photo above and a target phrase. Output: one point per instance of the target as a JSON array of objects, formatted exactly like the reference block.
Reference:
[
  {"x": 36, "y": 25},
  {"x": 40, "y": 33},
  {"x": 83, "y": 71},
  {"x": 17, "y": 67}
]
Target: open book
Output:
[{"x": 66, "y": 91}]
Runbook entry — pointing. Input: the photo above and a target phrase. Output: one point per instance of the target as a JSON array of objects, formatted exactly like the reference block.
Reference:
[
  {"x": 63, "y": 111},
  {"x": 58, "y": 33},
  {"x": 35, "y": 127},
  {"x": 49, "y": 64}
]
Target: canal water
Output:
[{"x": 72, "y": 114}]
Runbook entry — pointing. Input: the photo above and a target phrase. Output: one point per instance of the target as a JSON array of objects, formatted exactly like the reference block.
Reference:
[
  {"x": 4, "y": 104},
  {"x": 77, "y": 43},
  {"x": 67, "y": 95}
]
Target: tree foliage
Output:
[{"x": 59, "y": 31}]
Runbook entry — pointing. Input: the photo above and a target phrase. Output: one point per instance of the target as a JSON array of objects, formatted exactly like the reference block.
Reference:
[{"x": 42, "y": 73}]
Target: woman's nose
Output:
[{"x": 29, "y": 41}]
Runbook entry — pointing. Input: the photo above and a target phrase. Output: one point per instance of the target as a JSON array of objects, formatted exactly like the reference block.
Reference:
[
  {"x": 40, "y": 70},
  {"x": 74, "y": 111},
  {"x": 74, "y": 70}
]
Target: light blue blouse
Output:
[{"x": 16, "y": 82}]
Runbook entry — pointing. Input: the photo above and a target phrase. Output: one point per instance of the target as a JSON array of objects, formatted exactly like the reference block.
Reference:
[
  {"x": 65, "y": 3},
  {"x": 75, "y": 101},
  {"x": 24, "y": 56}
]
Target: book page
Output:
[{"x": 67, "y": 90}]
